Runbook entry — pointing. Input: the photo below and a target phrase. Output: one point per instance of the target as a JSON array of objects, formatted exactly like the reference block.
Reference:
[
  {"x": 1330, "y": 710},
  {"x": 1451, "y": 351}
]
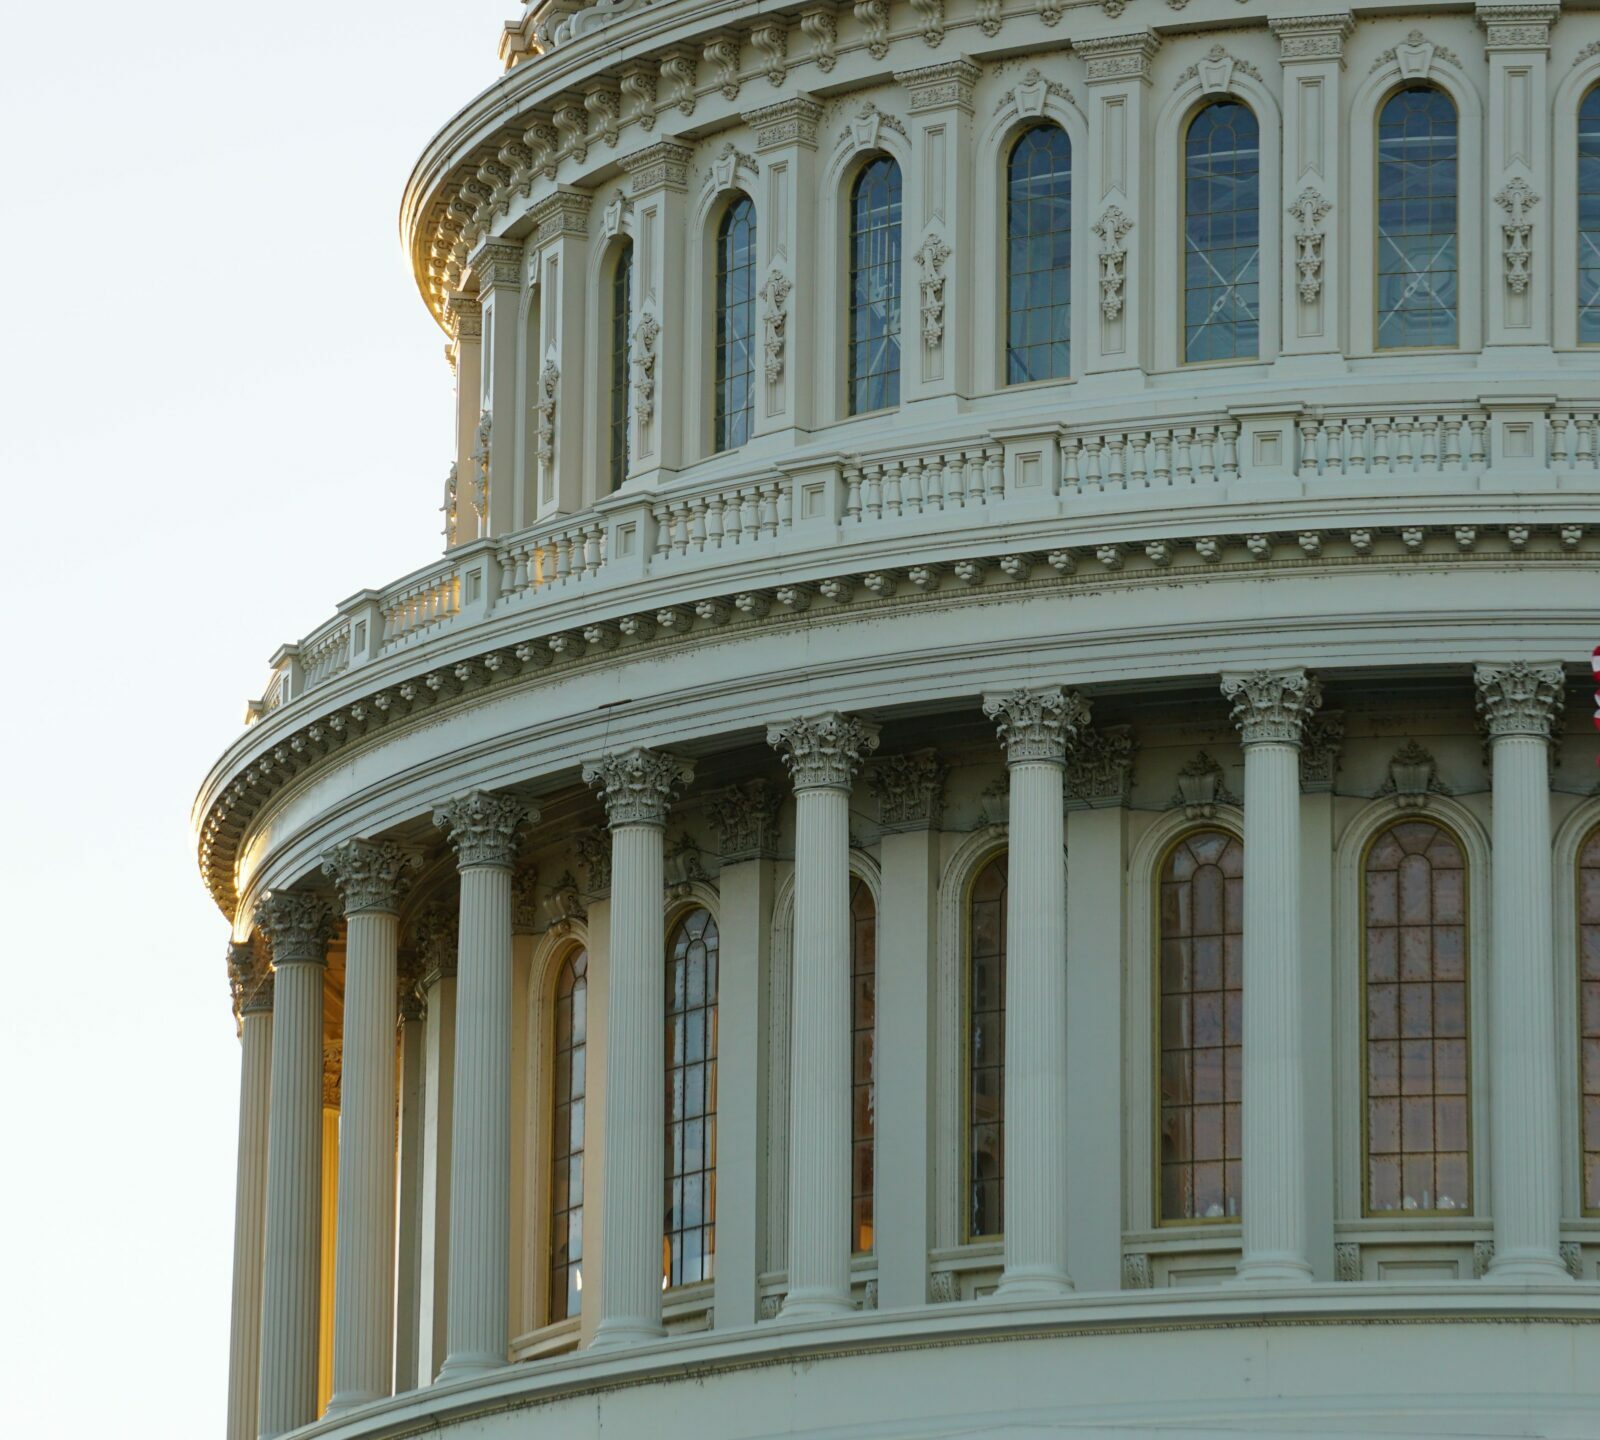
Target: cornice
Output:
[{"x": 419, "y": 688}]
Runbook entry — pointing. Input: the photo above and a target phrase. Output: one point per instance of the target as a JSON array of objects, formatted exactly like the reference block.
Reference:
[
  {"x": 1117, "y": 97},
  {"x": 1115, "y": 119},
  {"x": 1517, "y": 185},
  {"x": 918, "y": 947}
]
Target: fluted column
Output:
[
  {"x": 482, "y": 828},
  {"x": 637, "y": 787},
  {"x": 1270, "y": 708},
  {"x": 252, "y": 980},
  {"x": 409, "y": 1177},
  {"x": 297, "y": 927},
  {"x": 823, "y": 753},
  {"x": 371, "y": 878},
  {"x": 1035, "y": 727},
  {"x": 1520, "y": 703}
]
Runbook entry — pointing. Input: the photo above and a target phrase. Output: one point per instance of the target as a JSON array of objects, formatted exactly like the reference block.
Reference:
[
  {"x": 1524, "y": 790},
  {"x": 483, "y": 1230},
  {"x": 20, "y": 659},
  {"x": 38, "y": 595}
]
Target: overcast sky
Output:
[{"x": 223, "y": 408}]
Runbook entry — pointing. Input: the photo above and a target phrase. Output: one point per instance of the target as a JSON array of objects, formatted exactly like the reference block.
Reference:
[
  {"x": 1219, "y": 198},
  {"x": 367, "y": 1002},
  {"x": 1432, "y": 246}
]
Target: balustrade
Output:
[{"x": 1196, "y": 454}]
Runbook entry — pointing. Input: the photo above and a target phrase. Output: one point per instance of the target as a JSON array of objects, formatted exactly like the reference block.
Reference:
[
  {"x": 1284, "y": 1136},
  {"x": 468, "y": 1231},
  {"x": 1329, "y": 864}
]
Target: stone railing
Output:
[{"x": 822, "y": 500}]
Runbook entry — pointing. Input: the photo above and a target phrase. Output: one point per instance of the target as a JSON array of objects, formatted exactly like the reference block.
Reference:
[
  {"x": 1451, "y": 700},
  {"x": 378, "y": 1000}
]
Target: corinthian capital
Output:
[
  {"x": 298, "y": 927},
  {"x": 482, "y": 828},
  {"x": 823, "y": 752},
  {"x": 249, "y": 978},
  {"x": 638, "y": 786},
  {"x": 1037, "y": 724},
  {"x": 910, "y": 790},
  {"x": 1272, "y": 706},
  {"x": 370, "y": 874},
  {"x": 1521, "y": 698}
]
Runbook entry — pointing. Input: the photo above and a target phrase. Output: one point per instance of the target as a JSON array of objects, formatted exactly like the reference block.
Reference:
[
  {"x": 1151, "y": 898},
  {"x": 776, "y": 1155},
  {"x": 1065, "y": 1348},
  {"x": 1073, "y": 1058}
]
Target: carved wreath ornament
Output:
[
  {"x": 1516, "y": 199},
  {"x": 775, "y": 296},
  {"x": 931, "y": 257},
  {"x": 645, "y": 334},
  {"x": 1112, "y": 227},
  {"x": 1309, "y": 211}
]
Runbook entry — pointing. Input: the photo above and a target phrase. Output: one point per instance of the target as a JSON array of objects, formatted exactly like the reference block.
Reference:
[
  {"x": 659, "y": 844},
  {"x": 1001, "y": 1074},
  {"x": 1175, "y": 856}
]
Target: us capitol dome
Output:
[{"x": 988, "y": 821}]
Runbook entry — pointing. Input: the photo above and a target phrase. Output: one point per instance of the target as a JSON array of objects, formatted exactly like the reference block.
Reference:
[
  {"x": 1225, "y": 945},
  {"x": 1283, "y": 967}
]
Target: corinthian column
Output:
[
  {"x": 1520, "y": 704},
  {"x": 298, "y": 927},
  {"x": 1035, "y": 726},
  {"x": 636, "y": 787},
  {"x": 1270, "y": 708},
  {"x": 823, "y": 753},
  {"x": 371, "y": 878},
  {"x": 252, "y": 989},
  {"x": 482, "y": 828}
]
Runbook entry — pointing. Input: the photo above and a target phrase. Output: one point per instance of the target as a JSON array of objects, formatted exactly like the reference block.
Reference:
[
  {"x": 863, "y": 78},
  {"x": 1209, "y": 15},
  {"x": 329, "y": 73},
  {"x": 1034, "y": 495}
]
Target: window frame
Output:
[
  {"x": 860, "y": 163},
  {"x": 964, "y": 1036},
  {"x": 1588, "y": 94},
  {"x": 673, "y": 919},
  {"x": 622, "y": 253},
  {"x": 1266, "y": 281},
  {"x": 1015, "y": 135},
  {"x": 718, "y": 218},
  {"x": 555, "y": 967}
]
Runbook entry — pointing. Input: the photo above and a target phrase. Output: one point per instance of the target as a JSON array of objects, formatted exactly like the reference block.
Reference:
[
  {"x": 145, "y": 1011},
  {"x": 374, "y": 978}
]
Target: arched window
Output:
[
  {"x": 736, "y": 324},
  {"x": 1039, "y": 256},
  {"x": 691, "y": 1099},
  {"x": 863, "y": 1031},
  {"x": 986, "y": 1051},
  {"x": 1589, "y": 219},
  {"x": 566, "y": 1135},
  {"x": 1222, "y": 234},
  {"x": 1417, "y": 241},
  {"x": 1416, "y": 1061},
  {"x": 1201, "y": 968},
  {"x": 1589, "y": 1015},
  {"x": 875, "y": 288},
  {"x": 621, "y": 310}
]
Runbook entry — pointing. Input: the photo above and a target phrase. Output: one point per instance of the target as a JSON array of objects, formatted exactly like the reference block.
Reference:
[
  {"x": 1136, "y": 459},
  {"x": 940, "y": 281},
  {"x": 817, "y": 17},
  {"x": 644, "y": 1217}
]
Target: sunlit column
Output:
[
  {"x": 482, "y": 829},
  {"x": 636, "y": 787},
  {"x": 1270, "y": 708},
  {"x": 439, "y": 949},
  {"x": 298, "y": 927},
  {"x": 823, "y": 753},
  {"x": 1521, "y": 705},
  {"x": 1035, "y": 727},
  {"x": 409, "y": 1172}
]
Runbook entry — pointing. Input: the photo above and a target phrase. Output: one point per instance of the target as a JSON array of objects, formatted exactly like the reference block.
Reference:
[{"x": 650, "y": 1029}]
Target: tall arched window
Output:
[
  {"x": 1589, "y": 1015},
  {"x": 621, "y": 310},
  {"x": 1417, "y": 240},
  {"x": 736, "y": 324},
  {"x": 875, "y": 287},
  {"x": 863, "y": 1088},
  {"x": 1416, "y": 1063},
  {"x": 566, "y": 1135},
  {"x": 1201, "y": 971},
  {"x": 1222, "y": 234},
  {"x": 1589, "y": 219},
  {"x": 1039, "y": 256},
  {"x": 986, "y": 1051},
  {"x": 691, "y": 1099}
]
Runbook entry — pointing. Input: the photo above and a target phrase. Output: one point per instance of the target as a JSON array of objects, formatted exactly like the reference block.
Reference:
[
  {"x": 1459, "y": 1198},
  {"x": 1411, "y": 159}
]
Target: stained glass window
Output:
[
  {"x": 1418, "y": 1091},
  {"x": 621, "y": 309},
  {"x": 875, "y": 288},
  {"x": 1039, "y": 256},
  {"x": 691, "y": 1099},
  {"x": 1222, "y": 234},
  {"x": 1201, "y": 1008},
  {"x": 566, "y": 1135},
  {"x": 1589, "y": 219},
  {"x": 986, "y": 1051},
  {"x": 736, "y": 324},
  {"x": 1589, "y": 1015},
  {"x": 863, "y": 1087},
  {"x": 1417, "y": 200}
]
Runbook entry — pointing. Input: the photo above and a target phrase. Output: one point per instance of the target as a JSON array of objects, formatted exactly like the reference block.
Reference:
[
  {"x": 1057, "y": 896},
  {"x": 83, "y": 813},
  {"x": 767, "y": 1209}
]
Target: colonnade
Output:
[{"x": 273, "y": 1379}]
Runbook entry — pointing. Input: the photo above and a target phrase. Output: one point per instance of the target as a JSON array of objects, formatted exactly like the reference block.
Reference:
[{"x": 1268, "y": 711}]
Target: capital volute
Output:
[
  {"x": 463, "y": 316},
  {"x": 249, "y": 978},
  {"x": 638, "y": 786},
  {"x": 1312, "y": 37},
  {"x": 785, "y": 122},
  {"x": 1520, "y": 698},
  {"x": 823, "y": 752},
  {"x": 436, "y": 939},
  {"x": 1270, "y": 707},
  {"x": 482, "y": 828},
  {"x": 1518, "y": 27},
  {"x": 1118, "y": 57},
  {"x": 909, "y": 790},
  {"x": 662, "y": 166},
  {"x": 746, "y": 818},
  {"x": 370, "y": 874},
  {"x": 1037, "y": 725},
  {"x": 496, "y": 264},
  {"x": 298, "y": 926}
]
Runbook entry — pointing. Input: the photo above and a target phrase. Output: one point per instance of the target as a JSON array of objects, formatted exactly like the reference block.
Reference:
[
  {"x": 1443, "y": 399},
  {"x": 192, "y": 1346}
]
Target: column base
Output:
[
  {"x": 1528, "y": 1267},
  {"x": 1033, "y": 1283},
  {"x": 343, "y": 1404},
  {"x": 1270, "y": 1269},
  {"x": 468, "y": 1367},
  {"x": 622, "y": 1331},
  {"x": 815, "y": 1302}
]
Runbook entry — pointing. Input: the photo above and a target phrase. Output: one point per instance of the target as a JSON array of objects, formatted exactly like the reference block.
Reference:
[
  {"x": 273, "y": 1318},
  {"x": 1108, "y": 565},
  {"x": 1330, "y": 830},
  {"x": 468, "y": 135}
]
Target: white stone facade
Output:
[{"x": 801, "y": 679}]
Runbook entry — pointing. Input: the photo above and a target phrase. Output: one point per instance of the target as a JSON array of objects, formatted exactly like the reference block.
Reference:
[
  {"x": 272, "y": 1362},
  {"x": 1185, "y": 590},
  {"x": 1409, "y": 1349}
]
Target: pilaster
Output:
[
  {"x": 409, "y": 1169},
  {"x": 498, "y": 267},
  {"x": 464, "y": 316},
  {"x": 561, "y": 241},
  {"x": 437, "y": 947}
]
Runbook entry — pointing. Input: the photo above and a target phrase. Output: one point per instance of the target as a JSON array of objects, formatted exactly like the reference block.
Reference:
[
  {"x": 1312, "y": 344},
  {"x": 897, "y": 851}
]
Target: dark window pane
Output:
[
  {"x": 1417, "y": 194},
  {"x": 986, "y": 1008},
  {"x": 736, "y": 320},
  {"x": 566, "y": 1137},
  {"x": 874, "y": 338},
  {"x": 1039, "y": 235},
  {"x": 1221, "y": 304},
  {"x": 690, "y": 1099}
]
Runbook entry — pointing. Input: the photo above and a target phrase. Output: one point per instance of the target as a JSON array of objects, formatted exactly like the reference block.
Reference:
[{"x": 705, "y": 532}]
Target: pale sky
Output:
[{"x": 223, "y": 408}]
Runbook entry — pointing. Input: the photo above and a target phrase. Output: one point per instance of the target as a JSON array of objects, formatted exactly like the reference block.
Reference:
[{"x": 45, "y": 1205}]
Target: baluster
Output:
[
  {"x": 785, "y": 502},
  {"x": 662, "y": 517},
  {"x": 714, "y": 506},
  {"x": 933, "y": 483},
  {"x": 872, "y": 492},
  {"x": 1587, "y": 448},
  {"x": 591, "y": 550},
  {"x": 1230, "y": 449},
  {"x": 1208, "y": 459},
  {"x": 1355, "y": 446},
  {"x": 1161, "y": 457},
  {"x": 1139, "y": 459},
  {"x": 955, "y": 480},
  {"x": 994, "y": 471},
  {"x": 1309, "y": 426},
  {"x": 1452, "y": 442},
  {"x": 852, "y": 493},
  {"x": 1405, "y": 458},
  {"x": 911, "y": 486},
  {"x": 697, "y": 525},
  {"x": 1382, "y": 464},
  {"x": 1089, "y": 457},
  {"x": 1430, "y": 443},
  {"x": 1333, "y": 456},
  {"x": 1116, "y": 478},
  {"x": 1182, "y": 468},
  {"x": 1558, "y": 439},
  {"x": 1478, "y": 424},
  {"x": 891, "y": 488}
]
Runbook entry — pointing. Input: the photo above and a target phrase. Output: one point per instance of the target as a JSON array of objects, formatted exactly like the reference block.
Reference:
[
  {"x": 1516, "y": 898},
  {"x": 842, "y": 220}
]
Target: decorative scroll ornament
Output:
[
  {"x": 637, "y": 786},
  {"x": 1112, "y": 227},
  {"x": 873, "y": 17},
  {"x": 1028, "y": 95},
  {"x": 437, "y": 939},
  {"x": 409, "y": 1000},
  {"x": 482, "y": 828},
  {"x": 989, "y": 17},
  {"x": 561, "y": 905},
  {"x": 1321, "y": 746},
  {"x": 1309, "y": 211},
  {"x": 1520, "y": 698},
  {"x": 249, "y": 979},
  {"x": 1415, "y": 58},
  {"x": 1100, "y": 767},
  {"x": 1347, "y": 1262},
  {"x": 679, "y": 70},
  {"x": 1516, "y": 199},
  {"x": 1215, "y": 72},
  {"x": 770, "y": 37},
  {"x": 775, "y": 320},
  {"x": 681, "y": 866},
  {"x": 1136, "y": 1272},
  {"x": 868, "y": 121},
  {"x": 572, "y": 125},
  {"x": 480, "y": 464},
  {"x": 549, "y": 387},
  {"x": 1271, "y": 706},
  {"x": 909, "y": 790},
  {"x": 1037, "y": 724},
  {"x": 721, "y": 51},
  {"x": 931, "y": 257},
  {"x": 370, "y": 874},
  {"x": 639, "y": 92},
  {"x": 818, "y": 25},
  {"x": 727, "y": 163},
  {"x": 298, "y": 926},
  {"x": 449, "y": 508},
  {"x": 615, "y": 215},
  {"x": 823, "y": 751},
  {"x": 930, "y": 15},
  {"x": 645, "y": 335},
  {"x": 603, "y": 103},
  {"x": 593, "y": 849},
  {"x": 746, "y": 817},
  {"x": 332, "y": 1072},
  {"x": 525, "y": 901},
  {"x": 1413, "y": 777},
  {"x": 1201, "y": 788}
]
